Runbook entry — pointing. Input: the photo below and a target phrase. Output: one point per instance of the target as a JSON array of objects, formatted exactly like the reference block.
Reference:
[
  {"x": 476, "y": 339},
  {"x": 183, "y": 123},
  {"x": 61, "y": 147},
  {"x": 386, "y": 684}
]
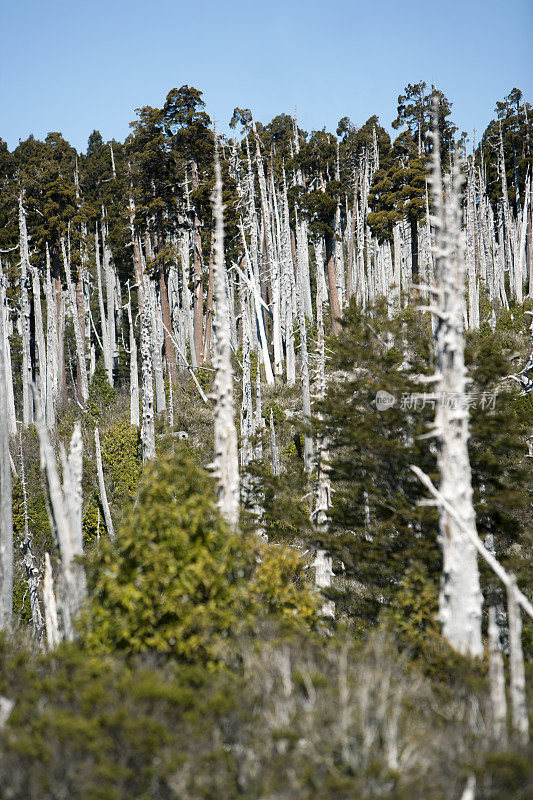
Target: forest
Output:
[{"x": 266, "y": 442}]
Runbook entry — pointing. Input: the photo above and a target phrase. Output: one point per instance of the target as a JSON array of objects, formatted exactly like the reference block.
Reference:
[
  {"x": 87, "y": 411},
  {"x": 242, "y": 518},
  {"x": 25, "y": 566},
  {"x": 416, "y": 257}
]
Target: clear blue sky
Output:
[{"x": 76, "y": 65}]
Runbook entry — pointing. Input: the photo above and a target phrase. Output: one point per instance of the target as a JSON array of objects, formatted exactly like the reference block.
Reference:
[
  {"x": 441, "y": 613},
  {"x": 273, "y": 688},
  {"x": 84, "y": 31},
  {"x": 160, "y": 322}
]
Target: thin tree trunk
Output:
[
  {"x": 134, "y": 374},
  {"x": 80, "y": 341},
  {"x": 498, "y": 701},
  {"x": 209, "y": 310},
  {"x": 32, "y": 572},
  {"x": 148, "y": 426},
  {"x": 101, "y": 485},
  {"x": 27, "y": 376},
  {"x": 198, "y": 292},
  {"x": 516, "y": 666},
  {"x": 414, "y": 250},
  {"x": 334, "y": 308},
  {"x": 167, "y": 325}
]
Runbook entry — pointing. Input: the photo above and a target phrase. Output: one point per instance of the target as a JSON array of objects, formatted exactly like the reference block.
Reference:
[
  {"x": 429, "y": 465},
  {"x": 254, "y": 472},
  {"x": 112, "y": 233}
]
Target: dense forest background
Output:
[{"x": 219, "y": 574}]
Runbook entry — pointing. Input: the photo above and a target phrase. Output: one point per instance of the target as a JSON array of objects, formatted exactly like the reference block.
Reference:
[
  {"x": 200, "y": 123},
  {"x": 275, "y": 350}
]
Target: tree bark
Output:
[
  {"x": 6, "y": 500},
  {"x": 516, "y": 666},
  {"x": 101, "y": 485},
  {"x": 414, "y": 250},
  {"x": 226, "y": 452},
  {"x": 27, "y": 372},
  {"x": 460, "y": 597},
  {"x": 334, "y": 308},
  {"x": 498, "y": 700}
]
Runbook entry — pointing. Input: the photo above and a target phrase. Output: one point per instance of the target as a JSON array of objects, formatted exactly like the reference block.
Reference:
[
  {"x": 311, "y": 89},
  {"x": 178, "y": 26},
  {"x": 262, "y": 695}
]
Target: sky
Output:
[{"x": 78, "y": 65}]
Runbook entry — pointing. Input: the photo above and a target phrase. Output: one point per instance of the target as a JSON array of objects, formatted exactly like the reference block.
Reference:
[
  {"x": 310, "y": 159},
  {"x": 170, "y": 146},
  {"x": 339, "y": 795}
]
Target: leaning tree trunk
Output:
[
  {"x": 460, "y": 597},
  {"x": 226, "y": 453},
  {"x": 101, "y": 486}
]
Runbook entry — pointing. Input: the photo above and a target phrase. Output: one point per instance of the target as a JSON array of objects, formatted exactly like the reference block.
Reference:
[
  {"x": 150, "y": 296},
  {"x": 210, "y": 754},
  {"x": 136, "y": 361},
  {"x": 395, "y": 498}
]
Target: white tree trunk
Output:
[
  {"x": 6, "y": 350},
  {"x": 323, "y": 563},
  {"x": 273, "y": 446},
  {"x": 148, "y": 426},
  {"x": 498, "y": 700},
  {"x": 460, "y": 597},
  {"x": 53, "y": 636},
  {"x": 516, "y": 665},
  {"x": 6, "y": 500},
  {"x": 226, "y": 453},
  {"x": 64, "y": 513},
  {"x": 32, "y": 572},
  {"x": 101, "y": 485},
  {"x": 134, "y": 374},
  {"x": 80, "y": 342},
  {"x": 52, "y": 349},
  {"x": 106, "y": 343},
  {"x": 27, "y": 378}
]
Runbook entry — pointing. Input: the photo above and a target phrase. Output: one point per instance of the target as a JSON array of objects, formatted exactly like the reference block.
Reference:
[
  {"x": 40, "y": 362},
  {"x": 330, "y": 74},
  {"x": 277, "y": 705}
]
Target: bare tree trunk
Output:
[
  {"x": 334, "y": 308},
  {"x": 272, "y": 261},
  {"x": 53, "y": 636},
  {"x": 460, "y": 597},
  {"x": 273, "y": 446},
  {"x": 226, "y": 453},
  {"x": 198, "y": 293},
  {"x": 323, "y": 563},
  {"x": 516, "y": 665},
  {"x": 52, "y": 349},
  {"x": 187, "y": 305},
  {"x": 498, "y": 701},
  {"x": 106, "y": 344},
  {"x": 170, "y": 355},
  {"x": 5, "y": 346},
  {"x": 80, "y": 341},
  {"x": 256, "y": 294},
  {"x": 6, "y": 500},
  {"x": 306, "y": 392},
  {"x": 27, "y": 377},
  {"x": 148, "y": 427},
  {"x": 32, "y": 572},
  {"x": 65, "y": 517},
  {"x": 134, "y": 374},
  {"x": 209, "y": 310},
  {"x": 110, "y": 285},
  {"x": 101, "y": 485},
  {"x": 41, "y": 346},
  {"x": 414, "y": 250}
]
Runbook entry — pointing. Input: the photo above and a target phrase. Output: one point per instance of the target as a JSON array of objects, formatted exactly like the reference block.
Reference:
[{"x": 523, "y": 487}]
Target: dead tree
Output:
[
  {"x": 226, "y": 463},
  {"x": 6, "y": 500},
  {"x": 460, "y": 597}
]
